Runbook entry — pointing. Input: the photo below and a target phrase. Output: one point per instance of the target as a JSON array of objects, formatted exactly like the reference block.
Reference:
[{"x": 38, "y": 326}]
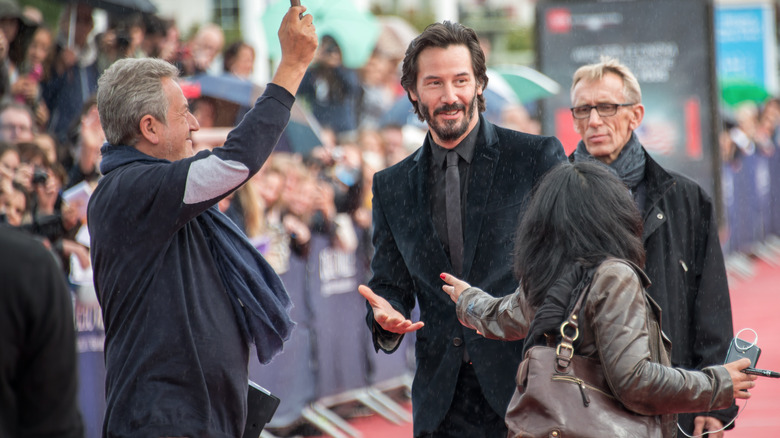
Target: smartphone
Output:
[
  {"x": 261, "y": 406},
  {"x": 740, "y": 348}
]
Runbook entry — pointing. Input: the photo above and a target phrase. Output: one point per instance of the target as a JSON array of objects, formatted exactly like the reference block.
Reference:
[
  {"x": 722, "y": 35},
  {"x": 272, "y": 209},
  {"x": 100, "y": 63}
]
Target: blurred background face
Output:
[
  {"x": 39, "y": 46},
  {"x": 9, "y": 162},
  {"x": 14, "y": 205},
  {"x": 245, "y": 62},
  {"x": 9, "y": 26},
  {"x": 206, "y": 46},
  {"x": 268, "y": 186},
  {"x": 16, "y": 126}
]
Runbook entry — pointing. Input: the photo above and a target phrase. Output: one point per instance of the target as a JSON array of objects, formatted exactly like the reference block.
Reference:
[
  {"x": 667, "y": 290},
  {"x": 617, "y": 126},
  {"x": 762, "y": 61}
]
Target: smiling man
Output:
[
  {"x": 182, "y": 291},
  {"x": 429, "y": 220},
  {"x": 684, "y": 257}
]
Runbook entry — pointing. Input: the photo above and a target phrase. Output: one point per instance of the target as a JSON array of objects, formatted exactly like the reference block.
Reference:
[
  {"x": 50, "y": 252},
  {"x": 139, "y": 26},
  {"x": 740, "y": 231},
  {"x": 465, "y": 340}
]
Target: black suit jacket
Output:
[{"x": 409, "y": 257}]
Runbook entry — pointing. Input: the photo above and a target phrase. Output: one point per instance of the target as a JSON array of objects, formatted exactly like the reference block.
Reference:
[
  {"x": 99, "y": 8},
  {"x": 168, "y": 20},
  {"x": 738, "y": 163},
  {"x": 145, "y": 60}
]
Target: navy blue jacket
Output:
[{"x": 176, "y": 359}]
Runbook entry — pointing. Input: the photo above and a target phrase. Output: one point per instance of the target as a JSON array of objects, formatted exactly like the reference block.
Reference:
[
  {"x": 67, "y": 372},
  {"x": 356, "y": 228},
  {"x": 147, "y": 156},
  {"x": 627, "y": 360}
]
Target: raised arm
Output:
[{"x": 298, "y": 39}]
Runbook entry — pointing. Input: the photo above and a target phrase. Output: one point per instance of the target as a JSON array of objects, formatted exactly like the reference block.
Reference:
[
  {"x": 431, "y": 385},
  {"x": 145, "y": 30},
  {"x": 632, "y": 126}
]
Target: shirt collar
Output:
[{"x": 465, "y": 148}]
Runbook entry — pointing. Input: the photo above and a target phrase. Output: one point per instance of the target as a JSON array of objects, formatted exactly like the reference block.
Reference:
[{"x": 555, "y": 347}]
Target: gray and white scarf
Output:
[{"x": 629, "y": 166}]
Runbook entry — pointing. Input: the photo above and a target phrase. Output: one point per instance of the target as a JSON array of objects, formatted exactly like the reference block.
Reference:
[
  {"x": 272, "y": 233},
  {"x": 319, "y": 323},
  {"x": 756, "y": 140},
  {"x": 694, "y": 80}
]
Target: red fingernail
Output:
[{"x": 443, "y": 276}]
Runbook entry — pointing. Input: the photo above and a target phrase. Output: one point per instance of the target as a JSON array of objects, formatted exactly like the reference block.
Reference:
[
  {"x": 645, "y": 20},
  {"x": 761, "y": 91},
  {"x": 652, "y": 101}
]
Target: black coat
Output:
[
  {"x": 38, "y": 360},
  {"x": 409, "y": 257},
  {"x": 685, "y": 265}
]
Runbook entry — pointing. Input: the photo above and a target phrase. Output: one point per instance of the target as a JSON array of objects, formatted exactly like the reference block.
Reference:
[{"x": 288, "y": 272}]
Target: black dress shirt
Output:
[{"x": 436, "y": 180}]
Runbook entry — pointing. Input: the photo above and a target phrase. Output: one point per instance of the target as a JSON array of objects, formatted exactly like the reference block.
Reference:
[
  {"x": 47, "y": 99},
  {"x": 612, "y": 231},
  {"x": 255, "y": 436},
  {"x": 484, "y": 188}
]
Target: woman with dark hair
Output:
[{"x": 582, "y": 222}]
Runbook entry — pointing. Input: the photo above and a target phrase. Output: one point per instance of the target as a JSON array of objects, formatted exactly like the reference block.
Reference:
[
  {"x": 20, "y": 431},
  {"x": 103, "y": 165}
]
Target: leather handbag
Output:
[{"x": 560, "y": 394}]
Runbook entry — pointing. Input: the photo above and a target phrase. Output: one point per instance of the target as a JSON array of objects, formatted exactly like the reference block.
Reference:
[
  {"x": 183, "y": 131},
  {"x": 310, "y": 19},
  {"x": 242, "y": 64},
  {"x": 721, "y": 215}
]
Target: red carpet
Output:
[{"x": 756, "y": 304}]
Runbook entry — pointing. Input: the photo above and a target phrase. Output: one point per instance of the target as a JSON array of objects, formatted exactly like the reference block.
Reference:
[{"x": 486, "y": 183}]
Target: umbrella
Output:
[
  {"x": 734, "y": 91},
  {"x": 355, "y": 31},
  {"x": 233, "y": 96},
  {"x": 226, "y": 87},
  {"x": 526, "y": 83},
  {"x": 119, "y": 6}
]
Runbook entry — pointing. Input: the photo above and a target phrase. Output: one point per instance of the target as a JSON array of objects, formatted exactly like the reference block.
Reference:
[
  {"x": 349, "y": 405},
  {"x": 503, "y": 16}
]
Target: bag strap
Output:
[{"x": 565, "y": 349}]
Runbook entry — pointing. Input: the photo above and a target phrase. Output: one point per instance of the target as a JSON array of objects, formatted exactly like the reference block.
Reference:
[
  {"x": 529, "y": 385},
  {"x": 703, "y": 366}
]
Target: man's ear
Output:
[
  {"x": 638, "y": 113},
  {"x": 413, "y": 95},
  {"x": 150, "y": 129}
]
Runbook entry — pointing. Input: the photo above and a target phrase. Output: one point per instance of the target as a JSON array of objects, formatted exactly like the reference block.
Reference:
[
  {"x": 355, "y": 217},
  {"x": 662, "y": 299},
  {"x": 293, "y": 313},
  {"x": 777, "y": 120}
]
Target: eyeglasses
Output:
[
  {"x": 9, "y": 127},
  {"x": 604, "y": 110}
]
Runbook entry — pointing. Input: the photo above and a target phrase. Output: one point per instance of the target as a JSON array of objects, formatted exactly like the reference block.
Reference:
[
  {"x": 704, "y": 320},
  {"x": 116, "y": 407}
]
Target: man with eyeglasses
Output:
[
  {"x": 684, "y": 257},
  {"x": 16, "y": 123}
]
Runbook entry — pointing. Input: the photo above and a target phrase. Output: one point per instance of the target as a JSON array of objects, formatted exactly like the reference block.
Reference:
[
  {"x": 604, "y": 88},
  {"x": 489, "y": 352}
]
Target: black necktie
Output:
[{"x": 454, "y": 221}]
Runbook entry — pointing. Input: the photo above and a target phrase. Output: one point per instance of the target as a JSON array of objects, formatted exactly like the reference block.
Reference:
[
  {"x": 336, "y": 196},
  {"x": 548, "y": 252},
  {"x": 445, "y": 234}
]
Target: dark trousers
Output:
[{"x": 470, "y": 414}]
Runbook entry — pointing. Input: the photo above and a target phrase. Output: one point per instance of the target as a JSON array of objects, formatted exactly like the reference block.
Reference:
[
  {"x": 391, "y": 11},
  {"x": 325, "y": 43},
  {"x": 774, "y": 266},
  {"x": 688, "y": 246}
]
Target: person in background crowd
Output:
[
  {"x": 239, "y": 60},
  {"x": 684, "y": 257},
  {"x": 88, "y": 140},
  {"x": 377, "y": 80},
  {"x": 48, "y": 145},
  {"x": 184, "y": 269},
  {"x": 74, "y": 74},
  {"x": 13, "y": 205},
  {"x": 16, "y": 123},
  {"x": 12, "y": 23},
  {"x": 198, "y": 55},
  {"x": 38, "y": 368},
  {"x": 123, "y": 39},
  {"x": 463, "y": 382},
  {"x": 34, "y": 69},
  {"x": 332, "y": 90}
]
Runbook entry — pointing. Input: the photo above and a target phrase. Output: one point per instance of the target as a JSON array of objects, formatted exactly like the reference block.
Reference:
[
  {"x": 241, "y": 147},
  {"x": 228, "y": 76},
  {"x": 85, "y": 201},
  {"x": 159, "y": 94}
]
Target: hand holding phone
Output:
[{"x": 740, "y": 348}]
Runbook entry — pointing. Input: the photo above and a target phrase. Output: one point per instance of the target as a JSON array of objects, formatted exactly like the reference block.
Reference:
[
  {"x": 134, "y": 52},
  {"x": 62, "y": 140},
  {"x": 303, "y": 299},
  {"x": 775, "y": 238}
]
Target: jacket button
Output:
[
  {"x": 660, "y": 216},
  {"x": 457, "y": 342}
]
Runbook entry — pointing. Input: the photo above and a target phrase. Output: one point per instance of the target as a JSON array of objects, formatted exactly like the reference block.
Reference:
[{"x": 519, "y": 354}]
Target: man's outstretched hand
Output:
[{"x": 386, "y": 316}]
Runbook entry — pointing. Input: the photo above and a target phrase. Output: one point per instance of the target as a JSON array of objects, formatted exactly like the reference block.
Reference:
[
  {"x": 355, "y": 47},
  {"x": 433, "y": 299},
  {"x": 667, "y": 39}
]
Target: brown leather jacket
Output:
[{"x": 621, "y": 328}]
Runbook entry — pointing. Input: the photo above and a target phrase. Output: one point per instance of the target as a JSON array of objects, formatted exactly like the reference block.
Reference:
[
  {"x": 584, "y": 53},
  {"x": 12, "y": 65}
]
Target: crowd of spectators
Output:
[
  {"x": 50, "y": 136},
  {"x": 50, "y": 133}
]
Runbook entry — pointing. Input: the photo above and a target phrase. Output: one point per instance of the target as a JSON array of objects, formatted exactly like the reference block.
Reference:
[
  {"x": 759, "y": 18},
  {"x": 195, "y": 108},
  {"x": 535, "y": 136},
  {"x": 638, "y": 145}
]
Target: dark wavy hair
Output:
[
  {"x": 578, "y": 212},
  {"x": 443, "y": 35}
]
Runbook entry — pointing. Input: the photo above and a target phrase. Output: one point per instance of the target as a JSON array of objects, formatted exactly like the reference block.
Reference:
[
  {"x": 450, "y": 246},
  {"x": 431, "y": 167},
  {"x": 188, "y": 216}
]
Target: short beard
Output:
[{"x": 450, "y": 130}]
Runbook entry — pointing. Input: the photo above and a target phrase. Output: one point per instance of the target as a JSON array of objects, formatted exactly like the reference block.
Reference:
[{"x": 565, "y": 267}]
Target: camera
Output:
[{"x": 40, "y": 176}]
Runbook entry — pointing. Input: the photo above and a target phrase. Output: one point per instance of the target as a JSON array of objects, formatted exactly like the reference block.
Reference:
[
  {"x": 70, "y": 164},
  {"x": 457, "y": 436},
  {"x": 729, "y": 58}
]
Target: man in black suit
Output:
[{"x": 463, "y": 381}]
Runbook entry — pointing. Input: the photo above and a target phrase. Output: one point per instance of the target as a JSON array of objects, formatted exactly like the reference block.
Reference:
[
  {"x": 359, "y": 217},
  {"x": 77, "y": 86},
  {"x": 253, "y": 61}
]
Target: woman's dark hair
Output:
[
  {"x": 579, "y": 212},
  {"x": 443, "y": 35},
  {"x": 230, "y": 54}
]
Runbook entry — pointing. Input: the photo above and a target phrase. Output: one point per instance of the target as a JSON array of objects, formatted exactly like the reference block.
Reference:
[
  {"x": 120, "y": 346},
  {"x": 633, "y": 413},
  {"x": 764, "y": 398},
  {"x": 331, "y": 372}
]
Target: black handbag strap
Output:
[{"x": 570, "y": 330}]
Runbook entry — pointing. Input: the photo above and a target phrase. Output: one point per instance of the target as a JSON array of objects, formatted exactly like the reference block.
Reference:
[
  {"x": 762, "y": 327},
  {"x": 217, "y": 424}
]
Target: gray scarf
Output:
[{"x": 629, "y": 165}]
